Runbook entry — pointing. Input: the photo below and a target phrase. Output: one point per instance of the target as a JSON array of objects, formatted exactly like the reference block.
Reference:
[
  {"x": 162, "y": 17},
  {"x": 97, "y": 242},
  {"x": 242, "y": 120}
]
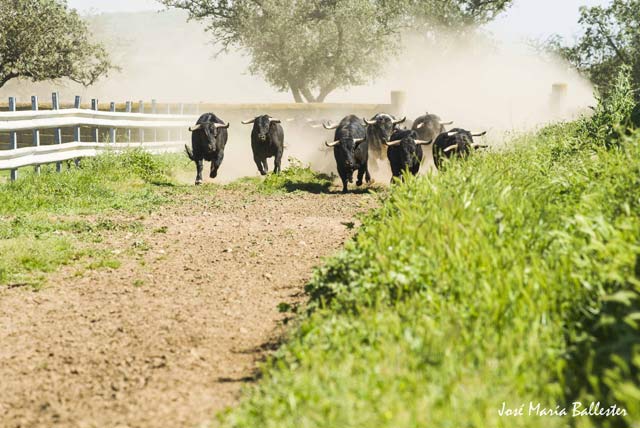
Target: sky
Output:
[{"x": 526, "y": 19}]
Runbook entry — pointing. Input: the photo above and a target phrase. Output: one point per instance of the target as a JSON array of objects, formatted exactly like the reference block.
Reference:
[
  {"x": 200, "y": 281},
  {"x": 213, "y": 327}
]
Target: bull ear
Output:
[{"x": 246, "y": 122}]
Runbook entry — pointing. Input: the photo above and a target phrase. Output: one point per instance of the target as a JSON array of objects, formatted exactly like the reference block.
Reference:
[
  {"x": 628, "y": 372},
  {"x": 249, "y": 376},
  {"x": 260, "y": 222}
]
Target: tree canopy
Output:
[
  {"x": 45, "y": 40},
  {"x": 611, "y": 40},
  {"x": 312, "y": 47}
]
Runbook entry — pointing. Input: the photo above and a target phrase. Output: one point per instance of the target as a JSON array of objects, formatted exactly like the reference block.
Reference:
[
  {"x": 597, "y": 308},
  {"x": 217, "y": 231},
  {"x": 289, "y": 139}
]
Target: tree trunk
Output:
[
  {"x": 306, "y": 93},
  {"x": 296, "y": 94}
]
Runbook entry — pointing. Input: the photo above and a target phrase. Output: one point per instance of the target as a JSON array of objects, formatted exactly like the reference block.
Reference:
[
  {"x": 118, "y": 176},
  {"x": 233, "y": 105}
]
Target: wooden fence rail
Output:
[{"x": 66, "y": 127}]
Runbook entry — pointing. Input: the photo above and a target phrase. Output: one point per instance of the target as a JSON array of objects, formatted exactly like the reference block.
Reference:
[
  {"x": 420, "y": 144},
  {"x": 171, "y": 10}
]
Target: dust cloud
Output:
[{"x": 481, "y": 84}]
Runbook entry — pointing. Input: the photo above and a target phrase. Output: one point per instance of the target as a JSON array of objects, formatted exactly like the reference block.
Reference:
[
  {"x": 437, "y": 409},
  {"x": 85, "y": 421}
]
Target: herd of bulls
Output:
[{"x": 354, "y": 141}]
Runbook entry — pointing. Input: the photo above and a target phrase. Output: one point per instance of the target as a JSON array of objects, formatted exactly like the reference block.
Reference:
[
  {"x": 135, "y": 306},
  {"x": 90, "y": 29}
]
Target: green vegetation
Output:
[
  {"x": 513, "y": 277},
  {"x": 52, "y": 219},
  {"x": 296, "y": 177}
]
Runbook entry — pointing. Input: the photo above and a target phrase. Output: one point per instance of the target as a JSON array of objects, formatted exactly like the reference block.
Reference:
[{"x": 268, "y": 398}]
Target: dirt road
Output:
[{"x": 170, "y": 337}]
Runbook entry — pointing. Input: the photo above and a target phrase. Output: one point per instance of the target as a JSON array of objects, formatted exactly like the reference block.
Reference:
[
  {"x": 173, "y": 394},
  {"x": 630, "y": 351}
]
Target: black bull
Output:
[
  {"x": 267, "y": 140},
  {"x": 455, "y": 143},
  {"x": 350, "y": 150},
  {"x": 208, "y": 140},
  {"x": 405, "y": 152}
]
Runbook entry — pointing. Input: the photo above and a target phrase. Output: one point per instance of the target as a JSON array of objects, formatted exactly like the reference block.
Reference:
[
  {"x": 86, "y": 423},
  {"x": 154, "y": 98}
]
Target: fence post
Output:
[
  {"x": 168, "y": 129},
  {"x": 154, "y": 110},
  {"x": 128, "y": 110},
  {"x": 141, "y": 110},
  {"x": 181, "y": 132},
  {"x": 13, "y": 138},
  {"x": 77, "y": 136},
  {"x": 112, "y": 131},
  {"x": 36, "y": 132},
  {"x": 57, "y": 133},
  {"x": 96, "y": 131}
]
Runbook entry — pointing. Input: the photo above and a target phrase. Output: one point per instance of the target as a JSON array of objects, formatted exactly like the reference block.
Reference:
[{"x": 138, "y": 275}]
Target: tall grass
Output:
[{"x": 511, "y": 279}]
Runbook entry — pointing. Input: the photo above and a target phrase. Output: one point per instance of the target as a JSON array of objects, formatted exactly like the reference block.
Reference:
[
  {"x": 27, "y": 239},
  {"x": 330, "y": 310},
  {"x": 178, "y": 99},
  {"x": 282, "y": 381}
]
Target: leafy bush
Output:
[{"x": 613, "y": 113}]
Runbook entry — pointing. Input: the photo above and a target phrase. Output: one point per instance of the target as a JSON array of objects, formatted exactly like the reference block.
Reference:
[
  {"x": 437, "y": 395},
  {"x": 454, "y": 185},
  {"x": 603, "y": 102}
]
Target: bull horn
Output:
[
  {"x": 451, "y": 134},
  {"x": 423, "y": 142},
  {"x": 393, "y": 143},
  {"x": 329, "y": 127},
  {"x": 246, "y": 122},
  {"x": 451, "y": 148},
  {"x": 446, "y": 123},
  {"x": 195, "y": 128},
  {"x": 358, "y": 140},
  {"x": 479, "y": 134},
  {"x": 420, "y": 126},
  {"x": 272, "y": 120},
  {"x": 369, "y": 122},
  {"x": 221, "y": 125},
  {"x": 399, "y": 121},
  {"x": 335, "y": 143}
]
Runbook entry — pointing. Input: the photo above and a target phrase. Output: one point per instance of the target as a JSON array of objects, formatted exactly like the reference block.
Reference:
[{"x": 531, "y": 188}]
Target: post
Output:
[
  {"x": 398, "y": 102},
  {"x": 77, "y": 136},
  {"x": 57, "y": 133},
  {"x": 128, "y": 110},
  {"x": 96, "y": 131},
  {"x": 558, "y": 101},
  {"x": 112, "y": 131},
  {"x": 181, "y": 132},
  {"x": 168, "y": 129},
  {"x": 141, "y": 111},
  {"x": 154, "y": 110},
  {"x": 13, "y": 138},
  {"x": 36, "y": 132}
]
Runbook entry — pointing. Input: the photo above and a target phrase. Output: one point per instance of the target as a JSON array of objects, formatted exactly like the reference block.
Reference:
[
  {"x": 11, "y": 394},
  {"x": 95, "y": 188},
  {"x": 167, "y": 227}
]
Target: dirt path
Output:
[{"x": 169, "y": 339}]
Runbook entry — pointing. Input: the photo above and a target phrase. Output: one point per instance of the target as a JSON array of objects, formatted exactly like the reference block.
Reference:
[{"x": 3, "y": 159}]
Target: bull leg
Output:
[
  {"x": 258, "y": 162},
  {"x": 277, "y": 162},
  {"x": 215, "y": 165},
  {"x": 367, "y": 176},
  {"x": 199, "y": 168},
  {"x": 361, "y": 172},
  {"x": 344, "y": 177},
  {"x": 265, "y": 165}
]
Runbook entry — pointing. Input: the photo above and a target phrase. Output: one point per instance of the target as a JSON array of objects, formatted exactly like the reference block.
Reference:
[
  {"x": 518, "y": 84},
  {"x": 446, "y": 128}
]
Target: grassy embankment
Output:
[{"x": 513, "y": 277}]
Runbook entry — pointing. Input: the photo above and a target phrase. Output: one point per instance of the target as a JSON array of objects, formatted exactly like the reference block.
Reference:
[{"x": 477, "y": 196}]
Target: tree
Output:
[
  {"x": 611, "y": 40},
  {"x": 44, "y": 40},
  {"x": 313, "y": 47}
]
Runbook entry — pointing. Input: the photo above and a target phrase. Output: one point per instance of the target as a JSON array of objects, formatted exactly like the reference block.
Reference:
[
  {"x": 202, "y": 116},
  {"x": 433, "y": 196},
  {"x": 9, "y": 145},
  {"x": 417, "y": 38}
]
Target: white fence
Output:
[{"x": 69, "y": 123}]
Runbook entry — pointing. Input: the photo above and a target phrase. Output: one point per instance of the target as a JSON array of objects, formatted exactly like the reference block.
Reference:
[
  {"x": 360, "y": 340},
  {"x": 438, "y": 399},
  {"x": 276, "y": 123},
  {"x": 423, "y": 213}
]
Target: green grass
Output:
[
  {"x": 52, "y": 219},
  {"x": 511, "y": 278},
  {"x": 295, "y": 178}
]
